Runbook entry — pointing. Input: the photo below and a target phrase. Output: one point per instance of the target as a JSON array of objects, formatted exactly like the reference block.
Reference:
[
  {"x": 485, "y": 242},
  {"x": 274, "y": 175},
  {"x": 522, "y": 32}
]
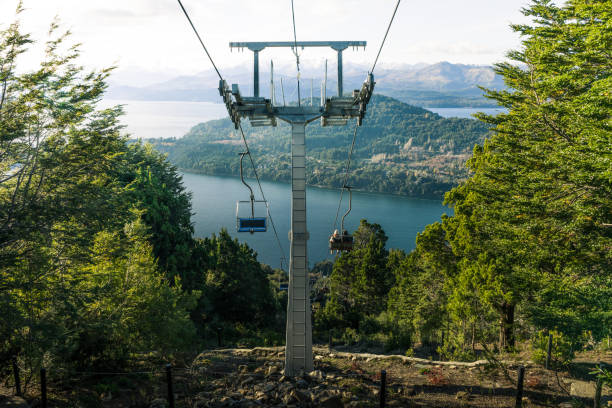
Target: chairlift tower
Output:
[{"x": 334, "y": 111}]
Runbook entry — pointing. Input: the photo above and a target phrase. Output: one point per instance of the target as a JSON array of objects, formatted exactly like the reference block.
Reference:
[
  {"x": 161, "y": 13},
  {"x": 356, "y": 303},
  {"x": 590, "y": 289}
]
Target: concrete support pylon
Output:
[{"x": 298, "y": 348}]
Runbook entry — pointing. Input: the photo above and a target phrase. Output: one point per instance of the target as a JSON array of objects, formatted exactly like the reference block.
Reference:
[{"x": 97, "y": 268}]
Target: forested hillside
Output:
[{"x": 400, "y": 149}]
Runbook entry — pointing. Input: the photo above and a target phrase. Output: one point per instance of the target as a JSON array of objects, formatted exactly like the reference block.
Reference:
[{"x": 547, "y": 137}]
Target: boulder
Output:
[{"x": 582, "y": 389}]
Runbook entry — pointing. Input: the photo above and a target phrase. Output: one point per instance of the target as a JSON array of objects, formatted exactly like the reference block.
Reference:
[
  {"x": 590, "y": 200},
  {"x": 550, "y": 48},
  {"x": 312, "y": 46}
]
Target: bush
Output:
[{"x": 562, "y": 352}]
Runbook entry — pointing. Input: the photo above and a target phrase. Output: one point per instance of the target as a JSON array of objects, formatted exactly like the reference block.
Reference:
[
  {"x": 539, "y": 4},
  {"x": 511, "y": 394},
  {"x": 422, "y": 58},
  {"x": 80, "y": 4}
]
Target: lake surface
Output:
[
  {"x": 155, "y": 119},
  {"x": 464, "y": 112},
  {"x": 214, "y": 204}
]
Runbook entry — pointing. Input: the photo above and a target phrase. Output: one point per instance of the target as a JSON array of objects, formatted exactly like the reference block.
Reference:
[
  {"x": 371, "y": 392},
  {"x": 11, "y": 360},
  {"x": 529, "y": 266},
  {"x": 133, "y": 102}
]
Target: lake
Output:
[
  {"x": 214, "y": 204},
  {"x": 464, "y": 112},
  {"x": 155, "y": 119}
]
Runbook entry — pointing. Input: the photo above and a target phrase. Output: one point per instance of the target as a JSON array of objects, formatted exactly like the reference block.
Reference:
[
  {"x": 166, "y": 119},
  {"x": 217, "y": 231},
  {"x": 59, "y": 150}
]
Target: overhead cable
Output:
[
  {"x": 241, "y": 131},
  {"x": 386, "y": 33},
  {"x": 246, "y": 145},
  {"x": 348, "y": 164},
  {"x": 200, "y": 38},
  {"x": 346, "y": 174}
]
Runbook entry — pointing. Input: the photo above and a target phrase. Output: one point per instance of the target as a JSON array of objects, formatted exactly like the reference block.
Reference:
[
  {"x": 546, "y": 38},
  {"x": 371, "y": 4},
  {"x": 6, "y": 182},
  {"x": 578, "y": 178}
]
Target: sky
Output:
[{"x": 151, "y": 40}]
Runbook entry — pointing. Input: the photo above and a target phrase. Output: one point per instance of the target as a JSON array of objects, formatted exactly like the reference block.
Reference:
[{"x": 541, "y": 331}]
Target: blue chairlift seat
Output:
[
  {"x": 258, "y": 224},
  {"x": 251, "y": 216}
]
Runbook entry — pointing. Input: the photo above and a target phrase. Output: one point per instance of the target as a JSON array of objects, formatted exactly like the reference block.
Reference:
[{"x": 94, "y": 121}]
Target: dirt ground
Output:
[{"x": 253, "y": 377}]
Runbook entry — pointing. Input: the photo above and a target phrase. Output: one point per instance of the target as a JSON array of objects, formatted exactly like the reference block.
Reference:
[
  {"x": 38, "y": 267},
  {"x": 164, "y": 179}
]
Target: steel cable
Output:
[
  {"x": 241, "y": 131},
  {"x": 348, "y": 165}
]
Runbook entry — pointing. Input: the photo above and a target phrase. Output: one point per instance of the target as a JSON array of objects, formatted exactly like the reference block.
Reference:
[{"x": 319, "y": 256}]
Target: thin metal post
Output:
[
  {"x": 549, "y": 350},
  {"x": 43, "y": 387},
  {"x": 17, "y": 379},
  {"x": 169, "y": 381},
  {"x": 272, "y": 90},
  {"x": 340, "y": 73},
  {"x": 383, "y": 388},
  {"x": 519, "y": 388},
  {"x": 256, "y": 73},
  {"x": 311, "y": 86},
  {"x": 325, "y": 85},
  {"x": 283, "y": 92}
]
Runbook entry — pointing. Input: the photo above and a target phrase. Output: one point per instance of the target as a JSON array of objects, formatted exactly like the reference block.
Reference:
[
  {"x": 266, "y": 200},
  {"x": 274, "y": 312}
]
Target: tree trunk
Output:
[{"x": 506, "y": 327}]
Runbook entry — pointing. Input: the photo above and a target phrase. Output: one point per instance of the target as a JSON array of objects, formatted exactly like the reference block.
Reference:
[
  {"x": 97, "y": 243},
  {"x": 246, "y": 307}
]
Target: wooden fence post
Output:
[
  {"x": 17, "y": 379},
  {"x": 169, "y": 381},
  {"x": 383, "y": 387},
  {"x": 519, "y": 388},
  {"x": 43, "y": 387}
]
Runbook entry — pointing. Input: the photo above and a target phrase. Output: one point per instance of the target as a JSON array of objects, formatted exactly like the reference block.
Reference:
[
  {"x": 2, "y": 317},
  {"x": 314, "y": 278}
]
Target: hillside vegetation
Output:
[{"x": 400, "y": 149}]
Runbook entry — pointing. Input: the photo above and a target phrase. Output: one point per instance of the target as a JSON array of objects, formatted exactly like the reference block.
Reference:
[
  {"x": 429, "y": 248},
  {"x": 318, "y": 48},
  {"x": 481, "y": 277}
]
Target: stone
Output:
[
  {"x": 156, "y": 403},
  {"x": 582, "y": 389},
  {"x": 565, "y": 405},
  {"x": 301, "y": 383},
  {"x": 269, "y": 387},
  {"x": 272, "y": 370},
  {"x": 227, "y": 401},
  {"x": 13, "y": 402},
  {"x": 318, "y": 358},
  {"x": 248, "y": 380},
  {"x": 332, "y": 402},
  {"x": 462, "y": 395},
  {"x": 317, "y": 375},
  {"x": 300, "y": 396},
  {"x": 243, "y": 368}
]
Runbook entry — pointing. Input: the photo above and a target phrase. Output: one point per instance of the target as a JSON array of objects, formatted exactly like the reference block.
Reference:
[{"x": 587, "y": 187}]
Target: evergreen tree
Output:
[{"x": 535, "y": 216}]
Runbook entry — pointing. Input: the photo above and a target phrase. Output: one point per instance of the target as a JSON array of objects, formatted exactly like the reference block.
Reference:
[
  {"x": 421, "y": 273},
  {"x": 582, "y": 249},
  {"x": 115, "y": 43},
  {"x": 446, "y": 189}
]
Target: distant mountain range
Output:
[{"x": 436, "y": 85}]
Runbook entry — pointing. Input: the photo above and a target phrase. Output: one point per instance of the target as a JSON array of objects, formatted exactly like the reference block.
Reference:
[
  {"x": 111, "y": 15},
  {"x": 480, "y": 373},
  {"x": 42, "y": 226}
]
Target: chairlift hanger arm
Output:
[
  {"x": 349, "y": 209},
  {"x": 242, "y": 176},
  {"x": 260, "y": 45}
]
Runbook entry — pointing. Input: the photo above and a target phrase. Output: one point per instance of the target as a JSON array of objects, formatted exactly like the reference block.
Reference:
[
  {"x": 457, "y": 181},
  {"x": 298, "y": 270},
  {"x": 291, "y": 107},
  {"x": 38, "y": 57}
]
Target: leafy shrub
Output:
[{"x": 562, "y": 352}]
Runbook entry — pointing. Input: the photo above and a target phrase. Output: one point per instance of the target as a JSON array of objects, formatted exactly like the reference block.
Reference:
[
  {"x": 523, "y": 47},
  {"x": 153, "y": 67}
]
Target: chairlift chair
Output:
[
  {"x": 251, "y": 223},
  {"x": 342, "y": 241}
]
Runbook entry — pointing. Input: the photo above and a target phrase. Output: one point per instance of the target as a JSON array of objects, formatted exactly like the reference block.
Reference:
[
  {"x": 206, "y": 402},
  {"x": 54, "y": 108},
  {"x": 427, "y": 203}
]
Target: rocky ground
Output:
[
  {"x": 251, "y": 378},
  {"x": 254, "y": 378}
]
